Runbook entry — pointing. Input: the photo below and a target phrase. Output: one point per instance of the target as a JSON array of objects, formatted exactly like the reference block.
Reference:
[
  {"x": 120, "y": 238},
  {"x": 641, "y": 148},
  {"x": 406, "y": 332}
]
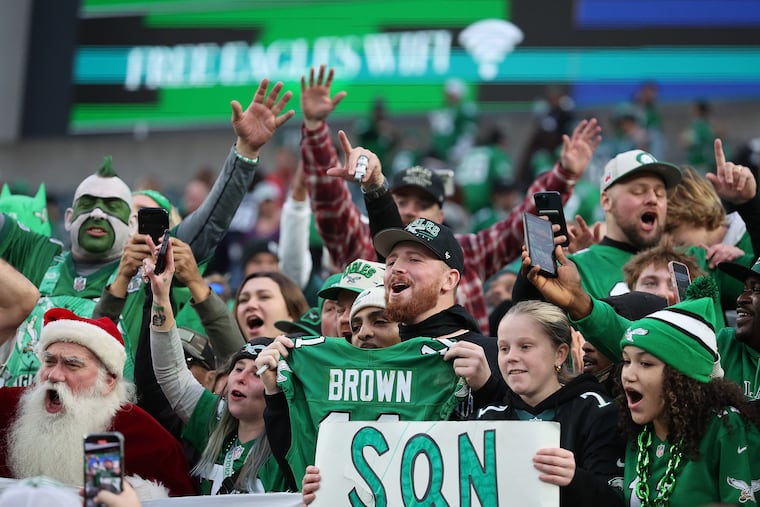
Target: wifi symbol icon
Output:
[{"x": 488, "y": 41}]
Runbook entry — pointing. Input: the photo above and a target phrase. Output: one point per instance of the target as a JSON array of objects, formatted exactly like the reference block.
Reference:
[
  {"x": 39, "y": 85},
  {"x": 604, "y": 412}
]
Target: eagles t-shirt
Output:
[{"x": 328, "y": 379}]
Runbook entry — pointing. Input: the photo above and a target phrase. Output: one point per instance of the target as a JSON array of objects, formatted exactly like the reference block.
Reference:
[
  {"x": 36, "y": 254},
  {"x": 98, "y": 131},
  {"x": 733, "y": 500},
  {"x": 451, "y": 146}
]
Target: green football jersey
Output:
[
  {"x": 40, "y": 259},
  {"x": 727, "y": 471},
  {"x": 601, "y": 269},
  {"x": 328, "y": 379}
]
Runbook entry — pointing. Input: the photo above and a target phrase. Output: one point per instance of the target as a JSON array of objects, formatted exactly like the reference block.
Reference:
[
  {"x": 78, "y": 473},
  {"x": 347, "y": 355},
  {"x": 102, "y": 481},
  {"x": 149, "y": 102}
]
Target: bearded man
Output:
[
  {"x": 424, "y": 263},
  {"x": 80, "y": 389}
]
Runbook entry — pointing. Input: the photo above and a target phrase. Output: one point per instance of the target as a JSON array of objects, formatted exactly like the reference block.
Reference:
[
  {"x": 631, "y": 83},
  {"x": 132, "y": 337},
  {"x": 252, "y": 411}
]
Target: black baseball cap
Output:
[
  {"x": 740, "y": 272},
  {"x": 421, "y": 178},
  {"x": 437, "y": 238}
]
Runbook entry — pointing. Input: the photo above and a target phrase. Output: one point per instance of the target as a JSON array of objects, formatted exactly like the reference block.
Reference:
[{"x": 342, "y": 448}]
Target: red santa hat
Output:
[{"x": 100, "y": 336}]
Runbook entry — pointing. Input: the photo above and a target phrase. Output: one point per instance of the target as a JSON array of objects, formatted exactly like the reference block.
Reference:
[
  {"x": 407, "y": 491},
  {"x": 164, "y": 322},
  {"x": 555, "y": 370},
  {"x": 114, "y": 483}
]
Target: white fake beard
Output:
[
  {"x": 40, "y": 443},
  {"x": 120, "y": 231}
]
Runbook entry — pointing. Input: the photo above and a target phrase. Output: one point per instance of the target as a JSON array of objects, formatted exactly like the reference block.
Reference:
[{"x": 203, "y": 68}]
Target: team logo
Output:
[
  {"x": 424, "y": 228},
  {"x": 747, "y": 490},
  {"x": 630, "y": 333},
  {"x": 645, "y": 158},
  {"x": 80, "y": 283},
  {"x": 352, "y": 279}
]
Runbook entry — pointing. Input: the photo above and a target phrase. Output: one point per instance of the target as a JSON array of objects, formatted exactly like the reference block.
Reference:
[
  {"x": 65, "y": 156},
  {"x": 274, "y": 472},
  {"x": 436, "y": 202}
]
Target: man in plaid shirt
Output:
[{"x": 346, "y": 232}]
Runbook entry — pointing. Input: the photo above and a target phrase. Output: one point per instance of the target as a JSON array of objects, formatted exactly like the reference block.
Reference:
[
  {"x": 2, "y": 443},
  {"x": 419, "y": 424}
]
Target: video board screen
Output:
[{"x": 173, "y": 64}]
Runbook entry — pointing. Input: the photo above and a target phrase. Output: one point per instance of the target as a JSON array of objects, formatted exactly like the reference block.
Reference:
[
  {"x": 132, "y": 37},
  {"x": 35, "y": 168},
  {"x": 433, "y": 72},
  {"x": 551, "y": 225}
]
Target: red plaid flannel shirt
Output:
[{"x": 346, "y": 235}]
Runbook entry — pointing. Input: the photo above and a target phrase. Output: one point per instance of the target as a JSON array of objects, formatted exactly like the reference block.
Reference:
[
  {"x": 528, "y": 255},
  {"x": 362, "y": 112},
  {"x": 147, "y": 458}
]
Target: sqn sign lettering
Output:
[{"x": 427, "y": 463}]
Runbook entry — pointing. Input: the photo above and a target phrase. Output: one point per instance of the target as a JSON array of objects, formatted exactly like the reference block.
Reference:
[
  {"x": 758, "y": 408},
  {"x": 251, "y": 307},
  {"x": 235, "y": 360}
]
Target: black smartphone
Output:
[
  {"x": 152, "y": 221},
  {"x": 539, "y": 241},
  {"x": 549, "y": 204},
  {"x": 161, "y": 257},
  {"x": 680, "y": 278},
  {"x": 103, "y": 465}
]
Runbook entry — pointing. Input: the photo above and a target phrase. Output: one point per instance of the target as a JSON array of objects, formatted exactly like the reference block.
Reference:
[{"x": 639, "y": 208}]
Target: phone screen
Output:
[
  {"x": 539, "y": 239},
  {"x": 680, "y": 278},
  {"x": 103, "y": 465}
]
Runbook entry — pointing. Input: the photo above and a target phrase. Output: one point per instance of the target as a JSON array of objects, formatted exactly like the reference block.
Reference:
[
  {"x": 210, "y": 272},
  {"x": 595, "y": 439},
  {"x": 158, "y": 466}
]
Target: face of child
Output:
[
  {"x": 528, "y": 358},
  {"x": 642, "y": 383}
]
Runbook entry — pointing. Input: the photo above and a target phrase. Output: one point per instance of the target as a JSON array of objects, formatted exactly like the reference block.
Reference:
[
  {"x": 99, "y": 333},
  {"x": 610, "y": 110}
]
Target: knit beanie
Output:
[
  {"x": 100, "y": 336},
  {"x": 250, "y": 350},
  {"x": 682, "y": 336},
  {"x": 374, "y": 297}
]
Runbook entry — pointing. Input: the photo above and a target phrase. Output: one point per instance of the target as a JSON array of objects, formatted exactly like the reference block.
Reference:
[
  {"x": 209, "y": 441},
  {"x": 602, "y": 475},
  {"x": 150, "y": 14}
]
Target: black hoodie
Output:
[
  {"x": 588, "y": 428},
  {"x": 456, "y": 323}
]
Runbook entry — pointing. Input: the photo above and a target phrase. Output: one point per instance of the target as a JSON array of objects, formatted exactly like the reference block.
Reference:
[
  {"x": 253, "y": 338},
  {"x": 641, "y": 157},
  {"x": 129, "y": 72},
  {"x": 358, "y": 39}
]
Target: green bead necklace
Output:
[{"x": 667, "y": 483}]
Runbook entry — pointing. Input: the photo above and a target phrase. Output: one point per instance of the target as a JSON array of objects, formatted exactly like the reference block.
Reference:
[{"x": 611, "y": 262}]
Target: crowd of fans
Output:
[{"x": 195, "y": 357}]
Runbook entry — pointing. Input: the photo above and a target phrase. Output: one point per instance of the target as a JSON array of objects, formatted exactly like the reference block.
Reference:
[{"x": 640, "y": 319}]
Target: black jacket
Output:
[
  {"x": 588, "y": 428},
  {"x": 454, "y": 319}
]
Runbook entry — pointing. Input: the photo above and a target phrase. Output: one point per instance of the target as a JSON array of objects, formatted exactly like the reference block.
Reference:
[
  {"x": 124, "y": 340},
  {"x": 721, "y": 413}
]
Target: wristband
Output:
[{"x": 252, "y": 161}]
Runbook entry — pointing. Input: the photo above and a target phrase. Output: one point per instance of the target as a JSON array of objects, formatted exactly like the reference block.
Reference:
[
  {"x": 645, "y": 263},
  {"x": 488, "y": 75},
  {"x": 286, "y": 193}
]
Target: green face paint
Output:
[
  {"x": 96, "y": 235},
  {"x": 115, "y": 207}
]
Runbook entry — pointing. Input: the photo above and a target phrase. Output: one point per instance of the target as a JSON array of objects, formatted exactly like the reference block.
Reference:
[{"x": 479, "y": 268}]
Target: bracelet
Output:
[
  {"x": 248, "y": 160},
  {"x": 376, "y": 191}
]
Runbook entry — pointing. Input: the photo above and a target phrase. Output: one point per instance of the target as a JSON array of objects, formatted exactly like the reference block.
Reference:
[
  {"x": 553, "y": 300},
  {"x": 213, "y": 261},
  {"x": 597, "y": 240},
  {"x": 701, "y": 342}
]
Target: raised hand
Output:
[
  {"x": 256, "y": 125},
  {"x": 132, "y": 257},
  {"x": 582, "y": 236},
  {"x": 721, "y": 253},
  {"x": 187, "y": 271},
  {"x": 266, "y": 362},
  {"x": 733, "y": 182},
  {"x": 315, "y": 98},
  {"x": 566, "y": 290},
  {"x": 374, "y": 175},
  {"x": 159, "y": 284},
  {"x": 577, "y": 150},
  {"x": 469, "y": 361}
]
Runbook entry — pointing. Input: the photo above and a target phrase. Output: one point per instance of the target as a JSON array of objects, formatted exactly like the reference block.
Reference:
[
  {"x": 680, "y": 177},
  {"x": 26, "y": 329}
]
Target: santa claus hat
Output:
[{"x": 100, "y": 336}]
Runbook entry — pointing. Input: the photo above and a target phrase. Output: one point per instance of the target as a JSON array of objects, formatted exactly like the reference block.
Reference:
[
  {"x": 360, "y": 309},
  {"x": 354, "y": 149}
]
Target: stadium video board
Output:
[{"x": 173, "y": 64}]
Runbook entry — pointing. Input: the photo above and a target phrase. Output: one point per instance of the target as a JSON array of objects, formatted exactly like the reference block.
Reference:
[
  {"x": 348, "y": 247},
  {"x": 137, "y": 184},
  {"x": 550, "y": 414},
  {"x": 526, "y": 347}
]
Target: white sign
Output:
[{"x": 472, "y": 463}]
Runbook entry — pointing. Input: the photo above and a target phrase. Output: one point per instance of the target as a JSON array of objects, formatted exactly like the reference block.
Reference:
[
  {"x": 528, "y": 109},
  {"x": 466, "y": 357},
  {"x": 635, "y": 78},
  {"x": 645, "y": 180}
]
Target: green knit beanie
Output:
[{"x": 682, "y": 336}]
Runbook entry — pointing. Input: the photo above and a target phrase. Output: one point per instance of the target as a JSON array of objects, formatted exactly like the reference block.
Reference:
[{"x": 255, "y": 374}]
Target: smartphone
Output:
[
  {"x": 549, "y": 204},
  {"x": 103, "y": 465},
  {"x": 161, "y": 257},
  {"x": 680, "y": 278},
  {"x": 539, "y": 241},
  {"x": 152, "y": 221}
]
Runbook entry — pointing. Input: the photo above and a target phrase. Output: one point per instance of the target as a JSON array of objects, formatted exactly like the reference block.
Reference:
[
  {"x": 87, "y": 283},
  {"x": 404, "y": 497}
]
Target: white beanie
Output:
[{"x": 374, "y": 296}]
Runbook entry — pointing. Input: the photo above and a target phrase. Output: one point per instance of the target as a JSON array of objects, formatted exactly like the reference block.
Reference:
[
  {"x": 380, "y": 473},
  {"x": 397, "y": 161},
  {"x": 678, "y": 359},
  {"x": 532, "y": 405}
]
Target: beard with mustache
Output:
[
  {"x": 41, "y": 443},
  {"x": 422, "y": 299}
]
